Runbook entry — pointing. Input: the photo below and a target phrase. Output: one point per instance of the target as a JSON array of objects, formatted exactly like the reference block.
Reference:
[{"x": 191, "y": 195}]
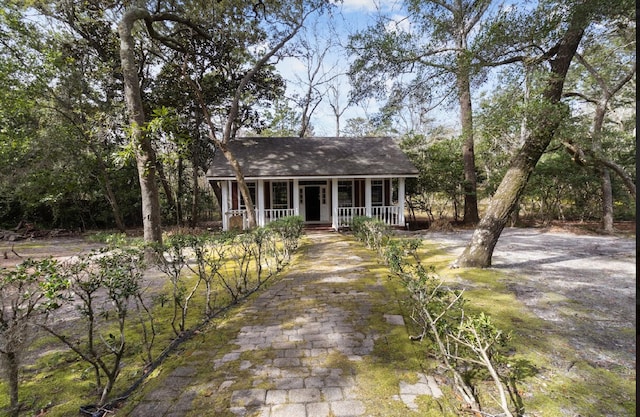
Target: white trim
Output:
[
  {"x": 250, "y": 184},
  {"x": 353, "y": 190},
  {"x": 272, "y": 193},
  {"x": 367, "y": 197},
  {"x": 338, "y": 216},
  {"x": 401, "y": 191},
  {"x": 383, "y": 194},
  {"x": 224, "y": 188},
  {"x": 260, "y": 203},
  {"x": 318, "y": 177},
  {"x": 334, "y": 204},
  {"x": 296, "y": 197}
]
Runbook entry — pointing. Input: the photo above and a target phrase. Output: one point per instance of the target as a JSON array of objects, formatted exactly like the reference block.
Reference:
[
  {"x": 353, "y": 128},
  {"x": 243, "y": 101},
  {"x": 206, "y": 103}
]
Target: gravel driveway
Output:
[{"x": 584, "y": 286}]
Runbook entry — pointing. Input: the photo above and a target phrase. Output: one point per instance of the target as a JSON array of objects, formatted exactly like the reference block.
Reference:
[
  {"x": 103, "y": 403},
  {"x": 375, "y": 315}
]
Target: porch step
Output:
[{"x": 318, "y": 227}]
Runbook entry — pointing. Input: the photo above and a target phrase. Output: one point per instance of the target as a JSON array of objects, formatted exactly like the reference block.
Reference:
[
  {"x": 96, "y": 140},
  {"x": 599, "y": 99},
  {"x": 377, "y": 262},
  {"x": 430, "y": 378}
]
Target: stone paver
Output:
[{"x": 306, "y": 320}]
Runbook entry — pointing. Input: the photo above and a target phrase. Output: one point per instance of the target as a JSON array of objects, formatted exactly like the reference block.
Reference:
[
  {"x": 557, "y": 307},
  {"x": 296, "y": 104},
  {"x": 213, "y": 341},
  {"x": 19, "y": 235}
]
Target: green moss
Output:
[
  {"x": 379, "y": 387},
  {"x": 548, "y": 388},
  {"x": 585, "y": 391}
]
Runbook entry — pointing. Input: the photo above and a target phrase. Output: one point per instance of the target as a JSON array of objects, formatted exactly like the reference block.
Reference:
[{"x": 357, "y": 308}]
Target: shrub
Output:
[
  {"x": 373, "y": 232},
  {"x": 23, "y": 295},
  {"x": 115, "y": 276},
  {"x": 464, "y": 343},
  {"x": 105, "y": 286},
  {"x": 289, "y": 229}
]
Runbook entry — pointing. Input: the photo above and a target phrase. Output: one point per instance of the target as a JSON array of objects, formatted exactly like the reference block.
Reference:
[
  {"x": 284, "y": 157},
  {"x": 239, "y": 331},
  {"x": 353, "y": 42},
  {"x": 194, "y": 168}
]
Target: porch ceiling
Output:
[{"x": 315, "y": 157}]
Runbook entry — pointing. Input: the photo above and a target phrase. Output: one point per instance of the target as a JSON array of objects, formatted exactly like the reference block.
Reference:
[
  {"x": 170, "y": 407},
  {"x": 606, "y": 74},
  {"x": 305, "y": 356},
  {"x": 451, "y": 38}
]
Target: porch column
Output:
[
  {"x": 224, "y": 187},
  {"x": 367, "y": 197},
  {"x": 334, "y": 204},
  {"x": 401, "y": 201},
  {"x": 260, "y": 203},
  {"x": 296, "y": 197}
]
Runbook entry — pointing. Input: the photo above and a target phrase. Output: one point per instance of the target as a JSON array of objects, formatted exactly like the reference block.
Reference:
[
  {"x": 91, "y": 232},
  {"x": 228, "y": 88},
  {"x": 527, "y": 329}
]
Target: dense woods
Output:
[{"x": 110, "y": 113}]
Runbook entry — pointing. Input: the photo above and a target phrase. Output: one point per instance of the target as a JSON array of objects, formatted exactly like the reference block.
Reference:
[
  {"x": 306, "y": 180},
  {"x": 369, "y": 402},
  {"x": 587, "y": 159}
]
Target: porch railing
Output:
[
  {"x": 237, "y": 219},
  {"x": 390, "y": 215},
  {"x": 345, "y": 214},
  {"x": 275, "y": 214}
]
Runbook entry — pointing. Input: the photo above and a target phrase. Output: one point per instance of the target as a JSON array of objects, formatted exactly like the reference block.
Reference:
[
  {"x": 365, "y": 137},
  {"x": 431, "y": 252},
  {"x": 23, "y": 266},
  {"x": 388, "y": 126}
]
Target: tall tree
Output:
[
  {"x": 335, "y": 100},
  {"x": 434, "y": 154},
  {"x": 239, "y": 39},
  {"x": 145, "y": 154},
  {"x": 315, "y": 47},
  {"x": 282, "y": 120},
  {"x": 607, "y": 66},
  {"x": 546, "y": 112},
  {"x": 278, "y": 24},
  {"x": 439, "y": 45}
]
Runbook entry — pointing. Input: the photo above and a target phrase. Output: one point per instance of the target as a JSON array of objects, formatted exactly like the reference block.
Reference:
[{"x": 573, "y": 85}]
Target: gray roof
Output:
[{"x": 262, "y": 157}]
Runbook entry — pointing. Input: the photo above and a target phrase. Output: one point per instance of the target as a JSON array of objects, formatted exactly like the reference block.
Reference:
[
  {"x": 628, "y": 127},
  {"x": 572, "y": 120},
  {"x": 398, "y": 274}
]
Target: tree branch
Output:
[
  {"x": 580, "y": 95},
  {"x": 235, "y": 105},
  {"x": 581, "y": 157}
]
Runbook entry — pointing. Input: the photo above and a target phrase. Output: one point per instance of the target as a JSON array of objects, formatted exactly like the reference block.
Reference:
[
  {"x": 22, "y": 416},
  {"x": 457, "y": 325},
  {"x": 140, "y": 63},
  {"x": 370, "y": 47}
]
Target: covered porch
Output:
[{"x": 319, "y": 201}]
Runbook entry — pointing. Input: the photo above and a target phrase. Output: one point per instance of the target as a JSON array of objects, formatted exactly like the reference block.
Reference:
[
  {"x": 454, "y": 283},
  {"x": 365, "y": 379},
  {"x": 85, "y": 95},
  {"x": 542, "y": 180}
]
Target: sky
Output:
[{"x": 354, "y": 15}]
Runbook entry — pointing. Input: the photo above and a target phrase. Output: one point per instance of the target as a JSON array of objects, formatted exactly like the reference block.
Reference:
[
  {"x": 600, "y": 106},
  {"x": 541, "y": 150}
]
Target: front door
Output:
[{"x": 312, "y": 204}]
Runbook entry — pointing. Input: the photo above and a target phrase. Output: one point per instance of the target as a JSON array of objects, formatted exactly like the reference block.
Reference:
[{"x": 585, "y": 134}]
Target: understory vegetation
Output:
[
  {"x": 111, "y": 319},
  {"x": 469, "y": 346},
  {"x": 558, "y": 189},
  {"x": 457, "y": 314}
]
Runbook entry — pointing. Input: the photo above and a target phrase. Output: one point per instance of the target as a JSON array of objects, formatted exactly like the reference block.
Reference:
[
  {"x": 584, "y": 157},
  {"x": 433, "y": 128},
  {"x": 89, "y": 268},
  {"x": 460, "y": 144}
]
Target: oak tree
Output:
[{"x": 546, "y": 113}]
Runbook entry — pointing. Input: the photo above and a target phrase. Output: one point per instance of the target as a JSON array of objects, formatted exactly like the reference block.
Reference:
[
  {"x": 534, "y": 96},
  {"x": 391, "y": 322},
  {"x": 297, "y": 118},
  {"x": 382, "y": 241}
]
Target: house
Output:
[{"x": 325, "y": 180}]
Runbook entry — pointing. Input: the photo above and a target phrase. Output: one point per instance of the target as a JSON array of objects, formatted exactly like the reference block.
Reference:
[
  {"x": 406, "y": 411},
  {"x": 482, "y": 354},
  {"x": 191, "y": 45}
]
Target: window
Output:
[
  {"x": 377, "y": 193},
  {"x": 395, "y": 186},
  {"x": 280, "y": 195},
  {"x": 345, "y": 193},
  {"x": 252, "y": 193}
]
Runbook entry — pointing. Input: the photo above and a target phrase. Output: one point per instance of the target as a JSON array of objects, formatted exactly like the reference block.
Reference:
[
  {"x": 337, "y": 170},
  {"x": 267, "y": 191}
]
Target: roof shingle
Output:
[{"x": 310, "y": 157}]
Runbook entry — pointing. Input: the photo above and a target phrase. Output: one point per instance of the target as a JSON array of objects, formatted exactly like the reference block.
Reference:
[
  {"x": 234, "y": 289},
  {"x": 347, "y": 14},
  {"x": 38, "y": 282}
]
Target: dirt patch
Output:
[
  {"x": 13, "y": 253},
  {"x": 583, "y": 285}
]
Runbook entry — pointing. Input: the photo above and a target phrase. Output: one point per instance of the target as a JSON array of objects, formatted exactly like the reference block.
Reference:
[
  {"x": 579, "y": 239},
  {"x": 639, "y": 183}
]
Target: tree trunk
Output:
[
  {"x": 479, "y": 251},
  {"x": 195, "y": 199},
  {"x": 242, "y": 185},
  {"x": 115, "y": 208},
  {"x": 145, "y": 155},
  {"x": 304, "y": 123},
  {"x": 166, "y": 187},
  {"x": 468, "y": 155},
  {"x": 622, "y": 174},
  {"x": 215, "y": 186},
  {"x": 607, "y": 201},
  {"x": 179, "y": 192},
  {"x": 605, "y": 176},
  {"x": 12, "y": 369},
  {"x": 111, "y": 195}
]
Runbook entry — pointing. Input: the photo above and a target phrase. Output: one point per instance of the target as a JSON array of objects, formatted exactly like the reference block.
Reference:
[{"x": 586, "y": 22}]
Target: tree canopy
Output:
[{"x": 205, "y": 74}]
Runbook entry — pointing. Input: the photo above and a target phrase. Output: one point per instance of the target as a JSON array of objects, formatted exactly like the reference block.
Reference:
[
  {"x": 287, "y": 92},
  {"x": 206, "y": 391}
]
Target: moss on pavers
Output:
[{"x": 308, "y": 301}]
